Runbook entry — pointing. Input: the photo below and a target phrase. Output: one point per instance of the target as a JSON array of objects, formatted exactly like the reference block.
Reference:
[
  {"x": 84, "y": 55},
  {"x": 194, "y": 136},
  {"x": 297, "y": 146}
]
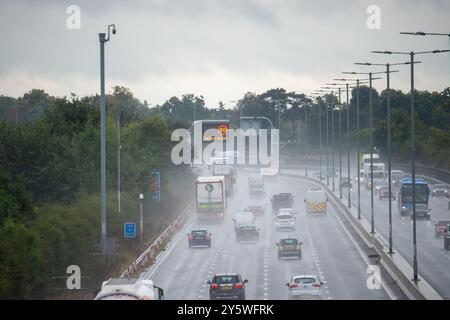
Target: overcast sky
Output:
[{"x": 216, "y": 48}]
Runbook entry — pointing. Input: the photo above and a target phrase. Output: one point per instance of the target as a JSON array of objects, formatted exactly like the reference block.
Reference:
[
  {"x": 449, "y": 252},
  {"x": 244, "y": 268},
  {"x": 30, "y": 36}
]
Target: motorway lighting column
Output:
[
  {"x": 412, "y": 54},
  {"x": 103, "y": 39}
]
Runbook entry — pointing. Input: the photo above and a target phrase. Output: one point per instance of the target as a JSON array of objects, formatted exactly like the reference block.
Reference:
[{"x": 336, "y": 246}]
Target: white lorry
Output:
[
  {"x": 129, "y": 289},
  {"x": 379, "y": 174},
  {"x": 210, "y": 197}
]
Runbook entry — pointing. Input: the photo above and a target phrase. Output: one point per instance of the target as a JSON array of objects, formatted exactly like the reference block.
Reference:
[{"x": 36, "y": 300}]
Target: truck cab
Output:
[{"x": 129, "y": 289}]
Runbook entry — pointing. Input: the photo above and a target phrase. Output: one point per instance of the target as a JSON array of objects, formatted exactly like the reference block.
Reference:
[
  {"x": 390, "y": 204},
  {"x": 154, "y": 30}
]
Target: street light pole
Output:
[
  {"x": 118, "y": 161},
  {"x": 340, "y": 146},
  {"x": 413, "y": 151},
  {"x": 332, "y": 142},
  {"x": 103, "y": 39},
  {"x": 349, "y": 203}
]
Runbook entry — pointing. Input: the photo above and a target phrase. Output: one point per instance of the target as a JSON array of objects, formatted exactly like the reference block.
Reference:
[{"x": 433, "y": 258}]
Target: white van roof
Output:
[{"x": 210, "y": 179}]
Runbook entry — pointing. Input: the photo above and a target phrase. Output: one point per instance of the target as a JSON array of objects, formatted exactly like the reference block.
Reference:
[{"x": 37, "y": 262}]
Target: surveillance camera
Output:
[{"x": 114, "y": 30}]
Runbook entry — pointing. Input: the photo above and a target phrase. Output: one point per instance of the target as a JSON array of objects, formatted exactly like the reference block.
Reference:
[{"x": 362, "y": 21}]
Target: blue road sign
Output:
[
  {"x": 129, "y": 230},
  {"x": 155, "y": 185}
]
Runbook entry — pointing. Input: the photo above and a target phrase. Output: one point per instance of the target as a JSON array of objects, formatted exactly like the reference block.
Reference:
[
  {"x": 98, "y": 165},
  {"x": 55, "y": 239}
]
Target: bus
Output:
[{"x": 405, "y": 202}]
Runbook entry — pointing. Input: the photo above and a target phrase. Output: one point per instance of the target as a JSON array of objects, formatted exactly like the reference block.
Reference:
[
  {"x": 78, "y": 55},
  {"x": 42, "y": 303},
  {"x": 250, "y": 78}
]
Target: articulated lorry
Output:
[{"x": 210, "y": 197}]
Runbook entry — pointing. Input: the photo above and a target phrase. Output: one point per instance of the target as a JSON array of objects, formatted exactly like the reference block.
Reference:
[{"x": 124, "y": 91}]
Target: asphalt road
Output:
[
  {"x": 328, "y": 252},
  {"x": 433, "y": 260}
]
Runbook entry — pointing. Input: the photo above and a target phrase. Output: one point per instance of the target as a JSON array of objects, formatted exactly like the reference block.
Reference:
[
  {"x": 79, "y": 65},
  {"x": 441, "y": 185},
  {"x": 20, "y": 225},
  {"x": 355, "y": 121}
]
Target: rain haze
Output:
[{"x": 217, "y": 49}]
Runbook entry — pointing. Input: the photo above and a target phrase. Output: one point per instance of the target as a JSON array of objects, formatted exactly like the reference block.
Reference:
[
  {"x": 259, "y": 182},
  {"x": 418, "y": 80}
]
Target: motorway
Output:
[
  {"x": 433, "y": 260},
  {"x": 328, "y": 251}
]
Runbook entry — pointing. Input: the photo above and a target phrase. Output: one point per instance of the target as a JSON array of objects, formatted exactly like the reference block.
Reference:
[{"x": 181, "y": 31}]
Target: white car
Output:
[
  {"x": 305, "y": 287},
  {"x": 243, "y": 218},
  {"x": 285, "y": 219}
]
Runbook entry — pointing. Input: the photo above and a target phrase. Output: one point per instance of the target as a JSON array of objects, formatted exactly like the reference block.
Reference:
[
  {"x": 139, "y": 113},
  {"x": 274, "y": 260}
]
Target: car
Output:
[
  {"x": 243, "y": 218},
  {"x": 247, "y": 232},
  {"x": 304, "y": 287},
  {"x": 199, "y": 238},
  {"x": 422, "y": 211},
  {"x": 439, "y": 191},
  {"x": 383, "y": 193},
  {"x": 281, "y": 200},
  {"x": 319, "y": 176},
  {"x": 285, "y": 219},
  {"x": 345, "y": 182},
  {"x": 289, "y": 247},
  {"x": 378, "y": 185},
  {"x": 227, "y": 286},
  {"x": 257, "y": 211}
]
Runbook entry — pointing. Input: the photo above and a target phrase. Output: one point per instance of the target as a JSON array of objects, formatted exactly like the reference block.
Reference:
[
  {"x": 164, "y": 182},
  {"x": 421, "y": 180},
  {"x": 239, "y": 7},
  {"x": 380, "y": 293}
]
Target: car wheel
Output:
[
  {"x": 242, "y": 297},
  {"x": 211, "y": 297}
]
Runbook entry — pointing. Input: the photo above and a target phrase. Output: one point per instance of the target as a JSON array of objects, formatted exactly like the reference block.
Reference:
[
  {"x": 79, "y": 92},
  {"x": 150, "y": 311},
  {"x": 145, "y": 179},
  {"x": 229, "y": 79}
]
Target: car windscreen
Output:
[
  {"x": 199, "y": 233},
  {"x": 247, "y": 228},
  {"x": 284, "y": 216},
  {"x": 439, "y": 186},
  {"x": 289, "y": 242},
  {"x": 226, "y": 279},
  {"x": 305, "y": 280}
]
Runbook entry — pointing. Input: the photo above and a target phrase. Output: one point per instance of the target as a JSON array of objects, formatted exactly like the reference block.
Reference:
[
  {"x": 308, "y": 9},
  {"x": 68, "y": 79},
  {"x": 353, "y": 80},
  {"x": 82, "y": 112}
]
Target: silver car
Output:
[{"x": 305, "y": 287}]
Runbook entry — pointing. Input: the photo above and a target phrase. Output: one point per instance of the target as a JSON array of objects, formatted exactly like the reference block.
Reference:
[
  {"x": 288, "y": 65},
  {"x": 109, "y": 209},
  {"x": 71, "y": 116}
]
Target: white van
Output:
[{"x": 316, "y": 201}]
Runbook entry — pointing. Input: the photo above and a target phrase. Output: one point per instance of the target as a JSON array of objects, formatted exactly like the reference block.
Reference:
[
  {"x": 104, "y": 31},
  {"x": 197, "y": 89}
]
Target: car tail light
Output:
[
  {"x": 207, "y": 237},
  {"x": 214, "y": 286},
  {"x": 298, "y": 247},
  {"x": 316, "y": 285},
  {"x": 238, "y": 286},
  {"x": 190, "y": 237},
  {"x": 293, "y": 285}
]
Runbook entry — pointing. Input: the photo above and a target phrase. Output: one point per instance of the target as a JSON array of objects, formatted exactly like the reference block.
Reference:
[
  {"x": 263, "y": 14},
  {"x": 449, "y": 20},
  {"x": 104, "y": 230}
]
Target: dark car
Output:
[
  {"x": 439, "y": 191},
  {"x": 422, "y": 212},
  {"x": 289, "y": 247},
  {"x": 199, "y": 238},
  {"x": 281, "y": 200},
  {"x": 227, "y": 286},
  {"x": 247, "y": 232},
  {"x": 384, "y": 193},
  {"x": 345, "y": 182}
]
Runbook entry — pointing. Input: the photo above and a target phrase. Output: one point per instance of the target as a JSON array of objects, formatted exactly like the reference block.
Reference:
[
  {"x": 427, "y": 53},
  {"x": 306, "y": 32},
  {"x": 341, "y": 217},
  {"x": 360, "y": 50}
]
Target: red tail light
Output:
[
  {"x": 238, "y": 286},
  {"x": 190, "y": 237},
  {"x": 207, "y": 238},
  {"x": 293, "y": 285},
  {"x": 214, "y": 286},
  {"x": 316, "y": 285}
]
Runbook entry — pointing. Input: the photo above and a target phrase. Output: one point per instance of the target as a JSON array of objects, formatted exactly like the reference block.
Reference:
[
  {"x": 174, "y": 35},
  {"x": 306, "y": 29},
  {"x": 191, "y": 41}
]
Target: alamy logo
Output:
[
  {"x": 236, "y": 143},
  {"x": 74, "y": 280},
  {"x": 74, "y": 20},
  {"x": 209, "y": 187},
  {"x": 374, "y": 19}
]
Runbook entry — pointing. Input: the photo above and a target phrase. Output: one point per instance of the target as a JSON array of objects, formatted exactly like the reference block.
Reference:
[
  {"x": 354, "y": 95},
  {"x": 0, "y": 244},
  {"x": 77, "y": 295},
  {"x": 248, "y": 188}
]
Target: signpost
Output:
[
  {"x": 129, "y": 230},
  {"x": 155, "y": 185}
]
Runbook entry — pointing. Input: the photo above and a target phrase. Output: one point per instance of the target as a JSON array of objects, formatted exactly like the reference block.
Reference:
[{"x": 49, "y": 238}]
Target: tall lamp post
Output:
[
  {"x": 320, "y": 135},
  {"x": 389, "y": 151},
  {"x": 412, "y": 54},
  {"x": 349, "y": 204},
  {"x": 332, "y": 141},
  {"x": 372, "y": 209},
  {"x": 103, "y": 39}
]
